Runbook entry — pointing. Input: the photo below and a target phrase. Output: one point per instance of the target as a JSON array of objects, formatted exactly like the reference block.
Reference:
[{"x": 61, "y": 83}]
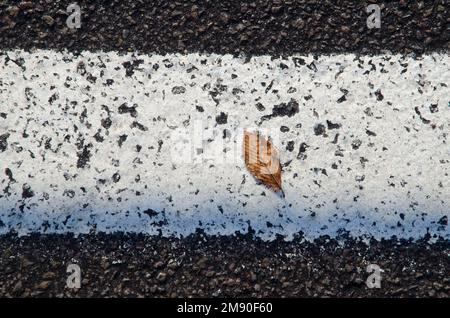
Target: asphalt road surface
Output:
[{"x": 121, "y": 148}]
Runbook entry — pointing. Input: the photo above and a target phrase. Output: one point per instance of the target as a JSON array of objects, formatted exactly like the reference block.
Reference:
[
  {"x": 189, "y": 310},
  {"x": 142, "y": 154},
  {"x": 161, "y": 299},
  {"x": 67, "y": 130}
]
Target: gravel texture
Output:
[
  {"x": 255, "y": 27},
  {"x": 222, "y": 266},
  {"x": 225, "y": 266}
]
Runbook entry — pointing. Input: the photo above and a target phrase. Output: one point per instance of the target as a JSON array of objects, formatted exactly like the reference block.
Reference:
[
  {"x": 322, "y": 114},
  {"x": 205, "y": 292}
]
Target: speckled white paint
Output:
[{"x": 395, "y": 183}]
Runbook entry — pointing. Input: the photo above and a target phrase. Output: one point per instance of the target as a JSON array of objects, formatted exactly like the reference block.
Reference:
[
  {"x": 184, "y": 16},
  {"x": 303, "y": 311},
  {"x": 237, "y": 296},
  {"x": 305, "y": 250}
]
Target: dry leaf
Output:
[{"x": 262, "y": 160}]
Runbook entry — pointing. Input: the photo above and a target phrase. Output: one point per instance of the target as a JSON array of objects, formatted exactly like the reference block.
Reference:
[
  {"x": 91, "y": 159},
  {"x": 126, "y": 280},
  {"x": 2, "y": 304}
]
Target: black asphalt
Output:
[
  {"x": 228, "y": 26},
  {"x": 229, "y": 266}
]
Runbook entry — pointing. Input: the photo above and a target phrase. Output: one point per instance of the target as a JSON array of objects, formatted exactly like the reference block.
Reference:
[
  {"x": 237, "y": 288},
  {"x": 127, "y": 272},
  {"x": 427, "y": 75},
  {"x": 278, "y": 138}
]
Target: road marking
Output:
[{"x": 136, "y": 143}]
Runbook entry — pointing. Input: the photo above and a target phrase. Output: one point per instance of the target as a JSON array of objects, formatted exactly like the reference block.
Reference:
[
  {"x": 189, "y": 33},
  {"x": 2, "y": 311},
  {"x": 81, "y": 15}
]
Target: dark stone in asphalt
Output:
[
  {"x": 302, "y": 151},
  {"x": 284, "y": 129},
  {"x": 84, "y": 156},
  {"x": 27, "y": 192},
  {"x": 222, "y": 118},
  {"x": 285, "y": 109},
  {"x": 4, "y": 141},
  {"x": 319, "y": 129},
  {"x": 331, "y": 125},
  {"x": 290, "y": 145}
]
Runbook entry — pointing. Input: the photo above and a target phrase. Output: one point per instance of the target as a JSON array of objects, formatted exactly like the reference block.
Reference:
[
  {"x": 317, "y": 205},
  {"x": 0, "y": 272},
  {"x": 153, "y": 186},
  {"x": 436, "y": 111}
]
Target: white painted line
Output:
[{"x": 121, "y": 143}]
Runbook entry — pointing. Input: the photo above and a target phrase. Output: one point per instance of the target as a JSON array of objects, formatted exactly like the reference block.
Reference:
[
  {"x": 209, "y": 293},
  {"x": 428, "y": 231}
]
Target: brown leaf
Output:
[{"x": 262, "y": 160}]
